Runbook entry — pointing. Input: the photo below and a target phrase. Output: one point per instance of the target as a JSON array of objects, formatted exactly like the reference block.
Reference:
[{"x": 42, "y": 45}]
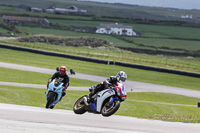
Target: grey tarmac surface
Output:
[
  {"x": 27, "y": 119},
  {"x": 131, "y": 86}
]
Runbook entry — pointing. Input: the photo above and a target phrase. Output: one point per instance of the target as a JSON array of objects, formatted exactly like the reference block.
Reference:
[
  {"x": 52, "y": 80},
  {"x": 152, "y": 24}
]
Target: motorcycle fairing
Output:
[
  {"x": 102, "y": 95},
  {"x": 93, "y": 106},
  {"x": 55, "y": 89}
]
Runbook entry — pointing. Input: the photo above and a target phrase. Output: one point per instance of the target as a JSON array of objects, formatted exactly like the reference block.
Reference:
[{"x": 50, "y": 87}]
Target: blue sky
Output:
[{"x": 181, "y": 4}]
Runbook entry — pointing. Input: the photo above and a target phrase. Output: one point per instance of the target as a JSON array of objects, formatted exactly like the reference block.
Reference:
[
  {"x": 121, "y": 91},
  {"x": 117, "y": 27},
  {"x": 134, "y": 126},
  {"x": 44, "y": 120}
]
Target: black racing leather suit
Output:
[
  {"x": 64, "y": 79},
  {"x": 99, "y": 87}
]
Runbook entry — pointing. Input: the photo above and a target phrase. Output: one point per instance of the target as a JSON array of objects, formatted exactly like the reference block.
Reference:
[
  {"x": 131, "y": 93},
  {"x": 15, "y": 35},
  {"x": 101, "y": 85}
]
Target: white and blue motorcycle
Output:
[
  {"x": 54, "y": 93},
  {"x": 105, "y": 102}
]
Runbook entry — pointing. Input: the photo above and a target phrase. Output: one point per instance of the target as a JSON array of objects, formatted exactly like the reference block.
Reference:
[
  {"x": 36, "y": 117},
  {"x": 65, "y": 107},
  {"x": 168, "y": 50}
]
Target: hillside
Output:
[{"x": 117, "y": 10}]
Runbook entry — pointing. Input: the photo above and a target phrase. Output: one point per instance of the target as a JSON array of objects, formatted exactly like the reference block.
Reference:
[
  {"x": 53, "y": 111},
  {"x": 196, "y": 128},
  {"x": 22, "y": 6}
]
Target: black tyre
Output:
[
  {"x": 51, "y": 97},
  {"x": 79, "y": 106},
  {"x": 108, "y": 110}
]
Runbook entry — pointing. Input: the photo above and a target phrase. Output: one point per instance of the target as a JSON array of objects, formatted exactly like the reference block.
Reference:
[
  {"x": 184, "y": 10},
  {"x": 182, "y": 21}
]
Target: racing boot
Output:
[
  {"x": 90, "y": 96},
  {"x": 63, "y": 94}
]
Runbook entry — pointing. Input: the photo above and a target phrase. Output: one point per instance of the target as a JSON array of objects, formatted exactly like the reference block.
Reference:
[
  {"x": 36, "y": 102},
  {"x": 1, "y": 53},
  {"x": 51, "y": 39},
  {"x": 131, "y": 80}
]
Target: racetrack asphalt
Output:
[{"x": 28, "y": 119}]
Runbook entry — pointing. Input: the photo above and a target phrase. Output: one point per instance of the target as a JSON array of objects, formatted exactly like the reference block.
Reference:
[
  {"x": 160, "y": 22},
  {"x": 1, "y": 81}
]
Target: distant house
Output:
[
  {"x": 52, "y": 9},
  {"x": 117, "y": 29},
  {"x": 25, "y": 20},
  {"x": 82, "y": 11},
  {"x": 71, "y": 9},
  {"x": 49, "y": 10},
  {"x": 186, "y": 16},
  {"x": 60, "y": 11},
  {"x": 68, "y": 10},
  {"x": 35, "y": 9},
  {"x": 74, "y": 8}
]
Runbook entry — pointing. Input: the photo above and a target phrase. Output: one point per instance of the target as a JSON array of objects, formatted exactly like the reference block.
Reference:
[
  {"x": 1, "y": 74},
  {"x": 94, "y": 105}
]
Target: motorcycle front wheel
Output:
[
  {"x": 79, "y": 106},
  {"x": 109, "y": 109},
  {"x": 50, "y": 99}
]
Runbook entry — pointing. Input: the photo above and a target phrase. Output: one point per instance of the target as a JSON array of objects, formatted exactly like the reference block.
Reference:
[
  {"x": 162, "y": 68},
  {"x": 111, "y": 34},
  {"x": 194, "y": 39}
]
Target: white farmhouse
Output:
[
  {"x": 117, "y": 29},
  {"x": 186, "y": 16}
]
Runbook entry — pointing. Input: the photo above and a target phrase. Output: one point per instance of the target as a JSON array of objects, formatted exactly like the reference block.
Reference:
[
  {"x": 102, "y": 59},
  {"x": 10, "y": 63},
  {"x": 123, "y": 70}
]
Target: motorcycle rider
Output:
[
  {"x": 111, "y": 81},
  {"x": 61, "y": 74}
]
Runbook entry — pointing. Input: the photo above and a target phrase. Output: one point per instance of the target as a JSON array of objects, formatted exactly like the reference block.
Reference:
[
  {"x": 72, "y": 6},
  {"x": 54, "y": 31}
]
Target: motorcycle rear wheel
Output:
[
  {"x": 50, "y": 99},
  {"x": 79, "y": 106},
  {"x": 108, "y": 110}
]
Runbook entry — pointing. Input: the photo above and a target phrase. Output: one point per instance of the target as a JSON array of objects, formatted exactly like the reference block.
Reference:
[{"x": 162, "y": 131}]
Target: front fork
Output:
[
  {"x": 85, "y": 100},
  {"x": 112, "y": 99}
]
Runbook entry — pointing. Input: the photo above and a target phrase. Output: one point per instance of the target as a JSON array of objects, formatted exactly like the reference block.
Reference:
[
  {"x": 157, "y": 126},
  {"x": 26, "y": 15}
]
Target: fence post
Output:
[
  {"x": 47, "y": 42},
  {"x": 34, "y": 44},
  {"x": 160, "y": 62},
  {"x": 188, "y": 65},
  {"x": 166, "y": 62}
]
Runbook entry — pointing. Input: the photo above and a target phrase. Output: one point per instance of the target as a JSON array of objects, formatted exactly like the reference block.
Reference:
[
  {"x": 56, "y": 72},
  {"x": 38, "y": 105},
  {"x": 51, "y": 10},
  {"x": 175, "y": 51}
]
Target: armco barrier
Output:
[
  {"x": 57, "y": 54},
  {"x": 158, "y": 69},
  {"x": 191, "y": 74}
]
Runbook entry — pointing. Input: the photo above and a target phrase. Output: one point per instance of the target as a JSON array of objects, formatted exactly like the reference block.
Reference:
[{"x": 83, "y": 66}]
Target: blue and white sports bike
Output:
[
  {"x": 54, "y": 93},
  {"x": 105, "y": 102}
]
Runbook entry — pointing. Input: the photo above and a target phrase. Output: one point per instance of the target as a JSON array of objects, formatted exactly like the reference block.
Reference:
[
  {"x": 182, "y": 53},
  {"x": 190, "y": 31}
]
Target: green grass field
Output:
[
  {"x": 169, "y": 43},
  {"x": 147, "y": 30},
  {"x": 167, "y": 31},
  {"x": 2, "y": 30},
  {"x": 136, "y": 104}
]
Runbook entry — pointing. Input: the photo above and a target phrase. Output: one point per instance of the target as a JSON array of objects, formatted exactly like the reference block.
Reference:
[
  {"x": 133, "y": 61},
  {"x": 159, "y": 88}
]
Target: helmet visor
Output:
[
  {"x": 62, "y": 72},
  {"x": 123, "y": 79}
]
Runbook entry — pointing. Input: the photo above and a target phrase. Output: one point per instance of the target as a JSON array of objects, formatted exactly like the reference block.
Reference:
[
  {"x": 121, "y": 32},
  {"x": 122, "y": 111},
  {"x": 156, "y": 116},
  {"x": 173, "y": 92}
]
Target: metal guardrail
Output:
[
  {"x": 109, "y": 62},
  {"x": 158, "y": 69}
]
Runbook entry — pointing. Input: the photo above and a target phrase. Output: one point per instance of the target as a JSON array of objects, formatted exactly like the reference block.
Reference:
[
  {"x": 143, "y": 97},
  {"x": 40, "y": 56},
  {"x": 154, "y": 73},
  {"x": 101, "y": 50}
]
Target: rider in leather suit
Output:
[
  {"x": 111, "y": 81},
  {"x": 61, "y": 74}
]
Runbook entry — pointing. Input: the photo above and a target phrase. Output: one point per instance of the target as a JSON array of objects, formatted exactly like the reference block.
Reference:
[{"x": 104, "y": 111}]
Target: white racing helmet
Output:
[{"x": 121, "y": 76}]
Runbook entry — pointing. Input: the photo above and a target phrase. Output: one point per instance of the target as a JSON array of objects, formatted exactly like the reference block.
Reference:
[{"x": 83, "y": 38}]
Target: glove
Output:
[
  {"x": 64, "y": 87},
  {"x": 49, "y": 81}
]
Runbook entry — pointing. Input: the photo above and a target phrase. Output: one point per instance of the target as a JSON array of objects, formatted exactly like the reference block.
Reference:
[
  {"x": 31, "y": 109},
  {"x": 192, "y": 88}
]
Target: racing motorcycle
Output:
[
  {"x": 54, "y": 93},
  {"x": 105, "y": 102}
]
